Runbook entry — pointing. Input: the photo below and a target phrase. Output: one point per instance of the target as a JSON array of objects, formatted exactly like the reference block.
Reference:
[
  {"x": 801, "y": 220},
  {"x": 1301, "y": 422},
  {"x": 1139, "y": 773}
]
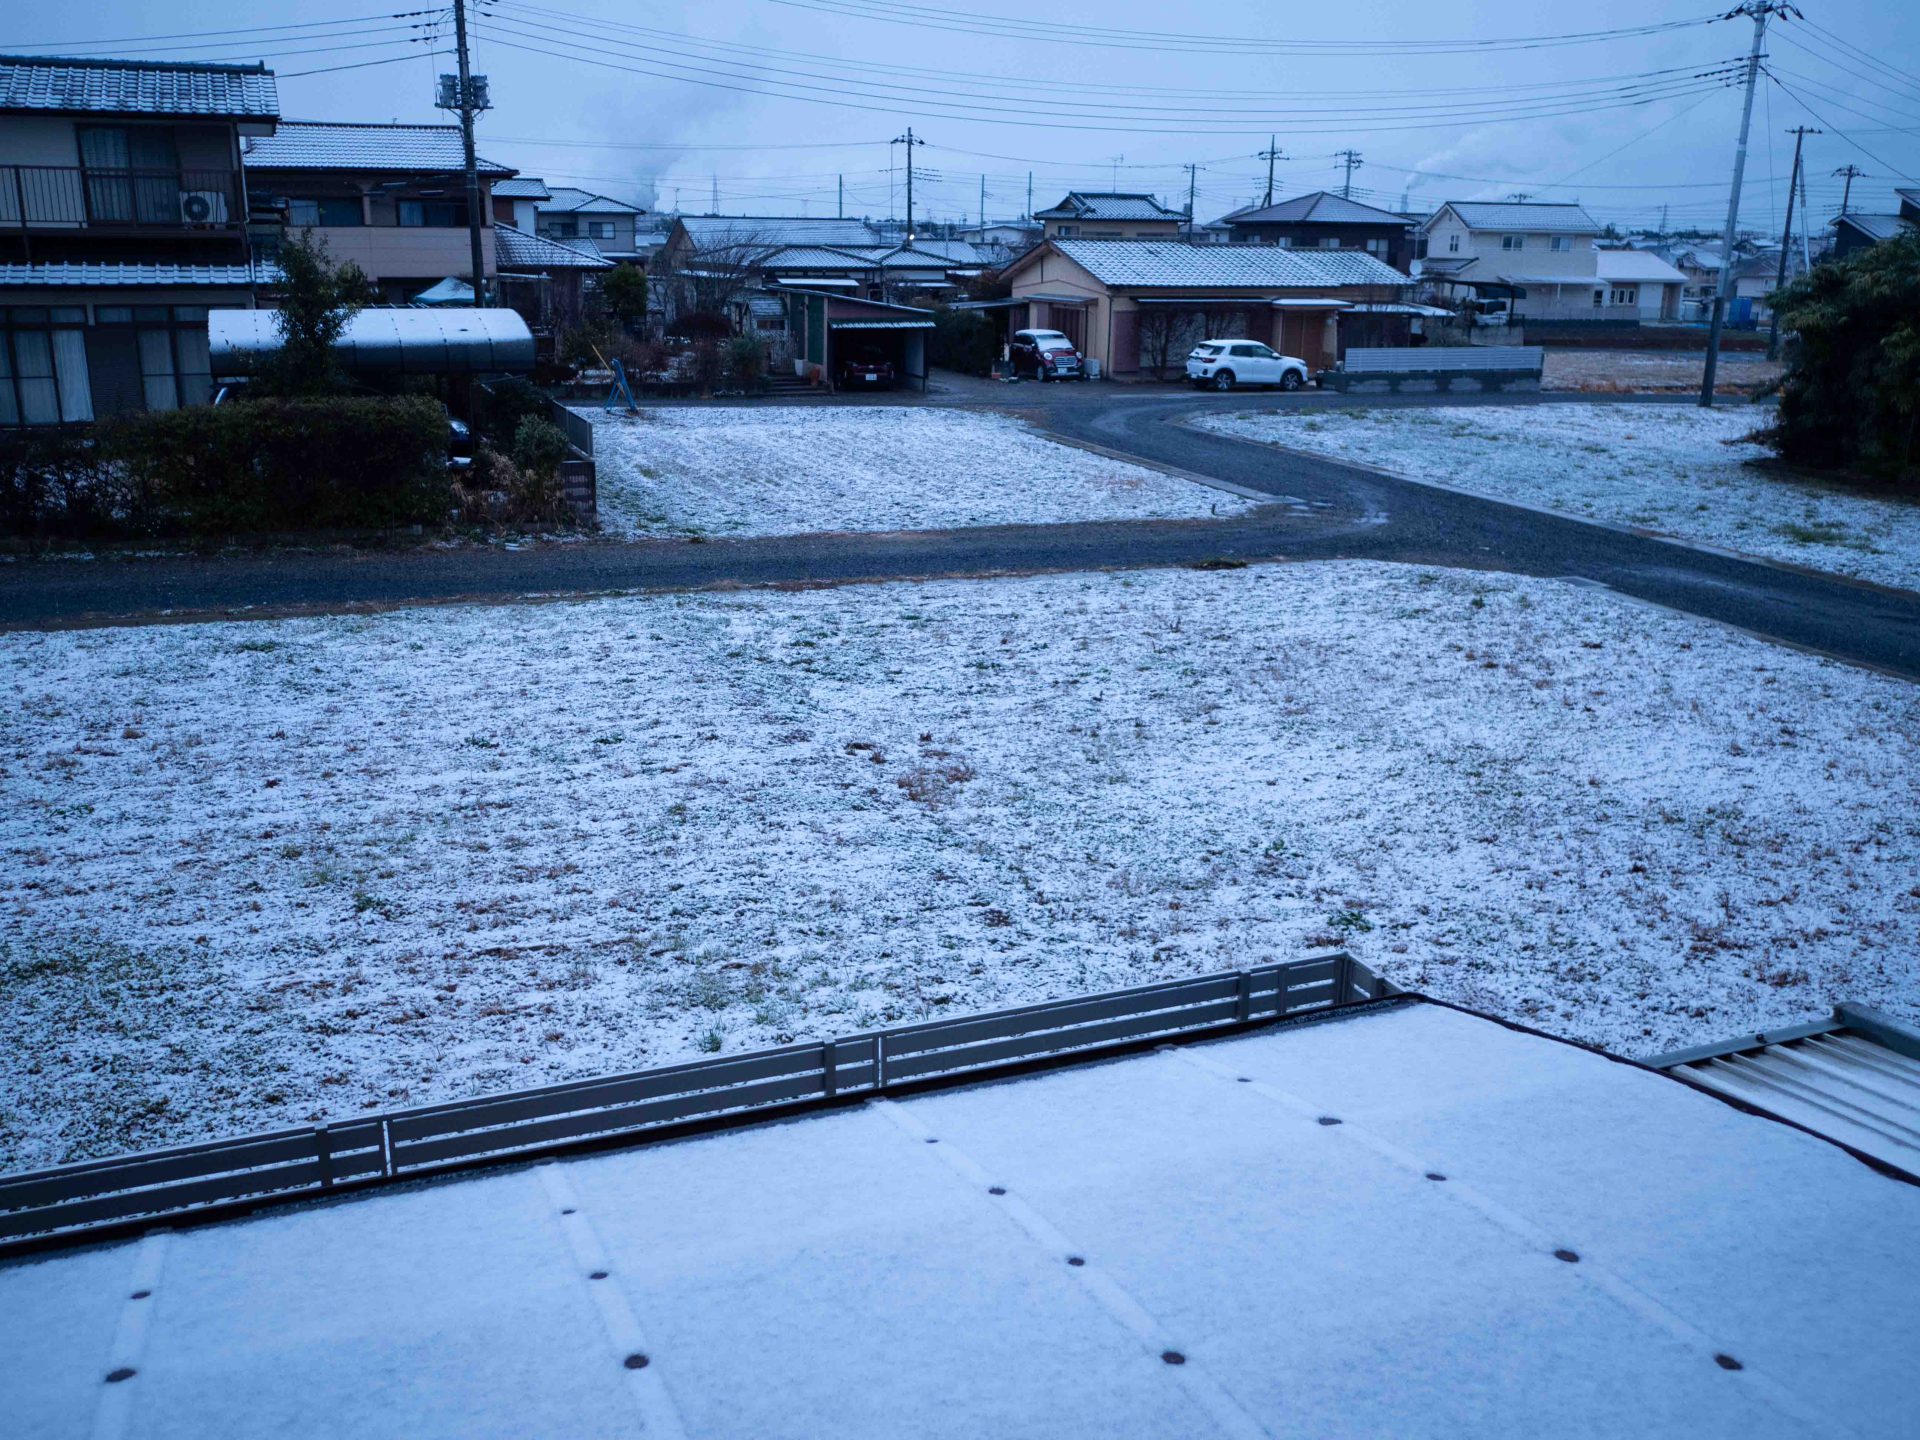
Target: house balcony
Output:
[{"x": 70, "y": 199}]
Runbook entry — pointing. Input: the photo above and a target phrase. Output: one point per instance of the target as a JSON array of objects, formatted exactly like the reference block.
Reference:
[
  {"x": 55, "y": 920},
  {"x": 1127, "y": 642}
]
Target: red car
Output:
[{"x": 866, "y": 370}]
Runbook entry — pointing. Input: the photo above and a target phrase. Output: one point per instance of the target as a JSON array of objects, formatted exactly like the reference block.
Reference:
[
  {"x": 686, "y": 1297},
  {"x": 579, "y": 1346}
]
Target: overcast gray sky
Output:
[{"x": 1086, "y": 93}]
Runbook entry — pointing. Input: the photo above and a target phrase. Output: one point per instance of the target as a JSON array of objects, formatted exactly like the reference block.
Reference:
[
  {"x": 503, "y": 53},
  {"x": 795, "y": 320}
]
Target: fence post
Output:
[
  {"x": 879, "y": 1060},
  {"x": 1343, "y": 979},
  {"x": 323, "y": 1146},
  {"x": 829, "y": 1081},
  {"x": 386, "y": 1147},
  {"x": 1243, "y": 997}
]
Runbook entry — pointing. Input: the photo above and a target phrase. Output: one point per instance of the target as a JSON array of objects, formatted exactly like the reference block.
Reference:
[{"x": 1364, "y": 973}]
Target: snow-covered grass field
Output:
[
  {"x": 255, "y": 873},
  {"x": 1676, "y": 469},
  {"x": 796, "y": 470}
]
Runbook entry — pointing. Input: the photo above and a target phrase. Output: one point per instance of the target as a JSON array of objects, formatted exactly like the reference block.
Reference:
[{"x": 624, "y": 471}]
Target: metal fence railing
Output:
[
  {"x": 66, "y": 196},
  {"x": 85, "y": 1199}
]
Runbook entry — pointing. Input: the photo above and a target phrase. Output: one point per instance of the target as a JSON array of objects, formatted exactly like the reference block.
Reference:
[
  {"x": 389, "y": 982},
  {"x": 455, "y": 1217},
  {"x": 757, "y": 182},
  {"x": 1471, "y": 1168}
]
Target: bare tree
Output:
[
  {"x": 1166, "y": 333},
  {"x": 711, "y": 278}
]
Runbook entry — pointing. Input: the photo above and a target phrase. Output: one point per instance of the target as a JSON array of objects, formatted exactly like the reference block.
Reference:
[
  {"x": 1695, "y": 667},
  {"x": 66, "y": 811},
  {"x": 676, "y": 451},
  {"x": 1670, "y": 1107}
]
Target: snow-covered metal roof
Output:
[
  {"x": 709, "y": 232},
  {"x": 517, "y": 249},
  {"x": 1854, "y": 1078},
  {"x": 1636, "y": 266},
  {"x": 522, "y": 187},
  {"x": 397, "y": 149},
  {"x": 1126, "y": 263},
  {"x": 1109, "y": 205},
  {"x": 1319, "y": 208},
  {"x": 1529, "y": 218},
  {"x": 1407, "y": 1221},
  {"x": 451, "y": 341},
  {"x": 816, "y": 257},
  {"x": 58, "y": 85},
  {"x": 926, "y": 324},
  {"x": 1877, "y": 227},
  {"x": 566, "y": 200},
  {"x": 107, "y": 274}
]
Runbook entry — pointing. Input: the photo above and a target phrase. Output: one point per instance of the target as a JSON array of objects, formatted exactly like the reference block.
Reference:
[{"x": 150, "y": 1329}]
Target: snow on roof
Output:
[
  {"x": 1636, "y": 265},
  {"x": 524, "y": 187},
  {"x": 1173, "y": 262},
  {"x": 1530, "y": 218},
  {"x": 110, "y": 273},
  {"x": 326, "y": 145},
  {"x": 1409, "y": 1221},
  {"x": 1109, "y": 205},
  {"x": 517, "y": 249},
  {"x": 1878, "y": 227},
  {"x": 816, "y": 257},
  {"x": 1319, "y": 208},
  {"x": 711, "y": 231},
  {"x": 137, "y": 87},
  {"x": 566, "y": 200}
]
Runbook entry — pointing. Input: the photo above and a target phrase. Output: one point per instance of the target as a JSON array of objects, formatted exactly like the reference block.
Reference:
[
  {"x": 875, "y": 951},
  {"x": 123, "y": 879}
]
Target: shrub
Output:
[
  {"x": 963, "y": 340},
  {"x": 275, "y": 465},
  {"x": 512, "y": 401},
  {"x": 539, "y": 446},
  {"x": 54, "y": 486},
  {"x": 625, "y": 291},
  {"x": 705, "y": 365},
  {"x": 1851, "y": 393},
  {"x": 317, "y": 298},
  {"x": 746, "y": 359}
]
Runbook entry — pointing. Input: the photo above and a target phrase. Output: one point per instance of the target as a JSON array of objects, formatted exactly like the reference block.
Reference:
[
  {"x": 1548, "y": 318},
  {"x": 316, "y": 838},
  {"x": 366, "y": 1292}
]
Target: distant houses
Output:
[
  {"x": 1322, "y": 221},
  {"x": 1110, "y": 215}
]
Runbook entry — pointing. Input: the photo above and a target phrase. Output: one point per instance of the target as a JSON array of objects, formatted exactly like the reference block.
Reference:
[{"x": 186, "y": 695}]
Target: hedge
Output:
[{"x": 251, "y": 467}]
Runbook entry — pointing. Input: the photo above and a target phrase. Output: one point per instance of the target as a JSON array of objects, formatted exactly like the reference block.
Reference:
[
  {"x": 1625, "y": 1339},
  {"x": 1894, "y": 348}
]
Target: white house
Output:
[
  {"x": 1638, "y": 278},
  {"x": 1540, "y": 256}
]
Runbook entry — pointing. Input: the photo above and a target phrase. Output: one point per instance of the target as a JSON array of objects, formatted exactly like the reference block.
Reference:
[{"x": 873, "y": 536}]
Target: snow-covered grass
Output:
[
  {"x": 797, "y": 470},
  {"x": 1676, "y": 469},
  {"x": 254, "y": 873}
]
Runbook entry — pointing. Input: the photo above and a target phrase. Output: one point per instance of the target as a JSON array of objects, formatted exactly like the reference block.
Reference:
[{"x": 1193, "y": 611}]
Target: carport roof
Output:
[
  {"x": 880, "y": 324},
  {"x": 1410, "y": 1220}
]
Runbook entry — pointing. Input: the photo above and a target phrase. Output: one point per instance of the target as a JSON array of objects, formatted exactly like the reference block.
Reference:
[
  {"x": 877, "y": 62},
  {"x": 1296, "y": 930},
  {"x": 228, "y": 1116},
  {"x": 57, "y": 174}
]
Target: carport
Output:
[{"x": 825, "y": 327}]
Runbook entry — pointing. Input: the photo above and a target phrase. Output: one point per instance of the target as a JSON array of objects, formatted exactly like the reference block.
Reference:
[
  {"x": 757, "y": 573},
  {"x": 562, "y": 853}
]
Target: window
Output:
[
  {"x": 1453, "y": 243},
  {"x": 433, "y": 214},
  {"x": 43, "y": 366},
  {"x": 563, "y": 229},
  {"x": 1067, "y": 232},
  {"x": 170, "y": 345},
  {"x": 1376, "y": 247},
  {"x": 600, "y": 229},
  {"x": 325, "y": 210},
  {"x": 1560, "y": 242},
  {"x": 1331, "y": 242},
  {"x": 133, "y": 174},
  {"x": 1513, "y": 242}
]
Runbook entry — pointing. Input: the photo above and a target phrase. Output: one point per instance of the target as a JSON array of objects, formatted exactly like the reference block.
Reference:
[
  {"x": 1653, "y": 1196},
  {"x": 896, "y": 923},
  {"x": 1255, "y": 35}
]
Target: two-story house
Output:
[
  {"x": 123, "y": 211},
  {"x": 1323, "y": 221},
  {"x": 390, "y": 198},
  {"x": 516, "y": 202},
  {"x": 1110, "y": 215},
  {"x": 1539, "y": 256},
  {"x": 569, "y": 216}
]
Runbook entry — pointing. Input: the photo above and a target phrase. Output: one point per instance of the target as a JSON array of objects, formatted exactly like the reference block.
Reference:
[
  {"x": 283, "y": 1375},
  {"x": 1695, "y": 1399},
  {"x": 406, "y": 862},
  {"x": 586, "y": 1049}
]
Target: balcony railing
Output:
[{"x": 68, "y": 197}]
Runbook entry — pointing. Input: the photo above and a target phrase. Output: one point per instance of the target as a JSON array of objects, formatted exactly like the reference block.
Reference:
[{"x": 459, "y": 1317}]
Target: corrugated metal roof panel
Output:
[
  {"x": 526, "y": 187},
  {"x": 59, "y": 85},
  {"x": 1841, "y": 1083}
]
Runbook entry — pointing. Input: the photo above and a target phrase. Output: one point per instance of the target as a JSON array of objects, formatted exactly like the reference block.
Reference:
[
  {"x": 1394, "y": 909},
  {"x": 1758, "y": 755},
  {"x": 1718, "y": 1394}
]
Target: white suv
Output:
[{"x": 1224, "y": 364}]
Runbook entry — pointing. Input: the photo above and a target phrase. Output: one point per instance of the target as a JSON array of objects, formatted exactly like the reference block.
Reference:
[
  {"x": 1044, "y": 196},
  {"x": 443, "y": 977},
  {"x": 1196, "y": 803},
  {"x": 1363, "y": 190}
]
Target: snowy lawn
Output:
[
  {"x": 1676, "y": 469},
  {"x": 798, "y": 470},
  {"x": 256, "y": 873}
]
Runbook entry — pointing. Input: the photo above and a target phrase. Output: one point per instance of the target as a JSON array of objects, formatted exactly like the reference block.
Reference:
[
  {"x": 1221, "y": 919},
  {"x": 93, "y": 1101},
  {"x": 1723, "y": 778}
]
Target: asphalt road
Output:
[{"x": 1326, "y": 511}]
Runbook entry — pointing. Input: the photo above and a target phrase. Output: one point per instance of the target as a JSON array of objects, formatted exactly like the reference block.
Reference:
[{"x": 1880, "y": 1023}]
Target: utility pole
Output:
[
  {"x": 1353, "y": 161},
  {"x": 1029, "y": 195},
  {"x": 1663, "y": 224},
  {"x": 1799, "y": 133},
  {"x": 1761, "y": 11},
  {"x": 1850, "y": 173},
  {"x": 1191, "y": 171},
  {"x": 840, "y": 197},
  {"x": 1270, "y": 154},
  {"x": 1519, "y": 197},
  {"x": 909, "y": 141},
  {"x": 713, "y": 203},
  {"x": 467, "y": 93},
  {"x": 983, "y": 202}
]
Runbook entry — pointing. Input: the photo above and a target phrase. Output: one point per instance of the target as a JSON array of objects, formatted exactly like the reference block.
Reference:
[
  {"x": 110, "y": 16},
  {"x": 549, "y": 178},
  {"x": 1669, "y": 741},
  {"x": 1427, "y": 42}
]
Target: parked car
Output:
[
  {"x": 866, "y": 369},
  {"x": 1492, "y": 312},
  {"x": 1045, "y": 355},
  {"x": 1223, "y": 364}
]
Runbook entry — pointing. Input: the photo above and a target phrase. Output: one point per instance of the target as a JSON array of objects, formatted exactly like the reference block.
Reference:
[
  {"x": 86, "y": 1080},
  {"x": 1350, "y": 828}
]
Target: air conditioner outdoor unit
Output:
[{"x": 203, "y": 207}]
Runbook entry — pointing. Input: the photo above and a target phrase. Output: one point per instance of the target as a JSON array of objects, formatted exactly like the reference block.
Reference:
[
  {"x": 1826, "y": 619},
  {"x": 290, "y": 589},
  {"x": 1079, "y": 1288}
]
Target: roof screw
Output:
[
  {"x": 598, "y": 1275},
  {"x": 1173, "y": 1357},
  {"x": 567, "y": 1211},
  {"x": 1329, "y": 1119},
  {"x": 996, "y": 1190},
  {"x": 1076, "y": 1260},
  {"x": 1435, "y": 1175},
  {"x": 1245, "y": 1079},
  {"x": 140, "y": 1294},
  {"x": 1725, "y": 1362},
  {"x": 1567, "y": 1255},
  {"x": 635, "y": 1362},
  {"x": 125, "y": 1372},
  {"x": 931, "y": 1140}
]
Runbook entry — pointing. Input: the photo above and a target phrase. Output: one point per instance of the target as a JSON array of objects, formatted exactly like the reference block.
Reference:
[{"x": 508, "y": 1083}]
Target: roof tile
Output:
[{"x": 137, "y": 87}]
